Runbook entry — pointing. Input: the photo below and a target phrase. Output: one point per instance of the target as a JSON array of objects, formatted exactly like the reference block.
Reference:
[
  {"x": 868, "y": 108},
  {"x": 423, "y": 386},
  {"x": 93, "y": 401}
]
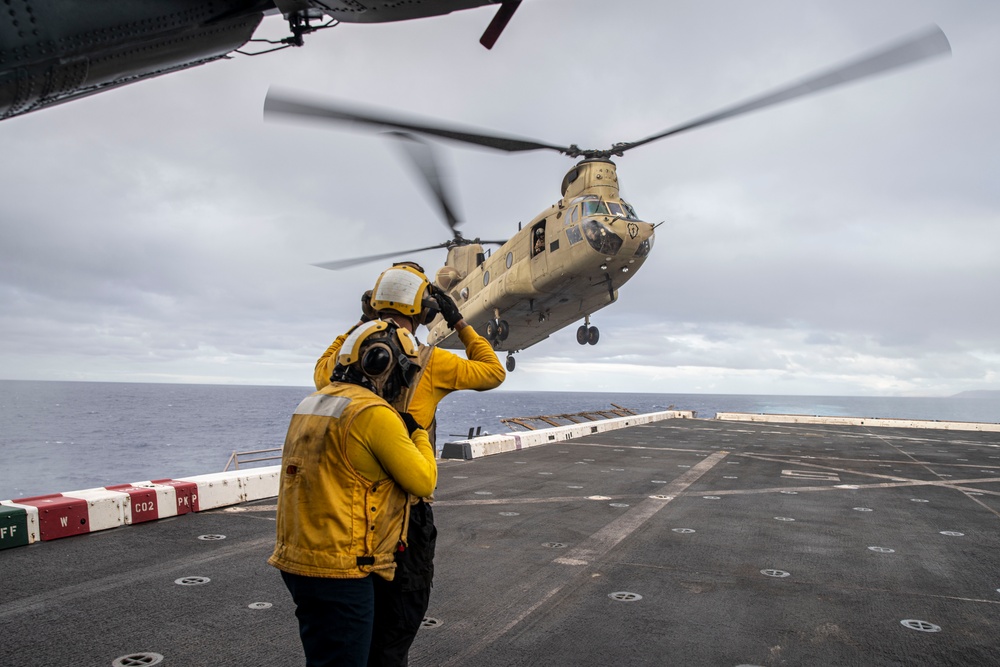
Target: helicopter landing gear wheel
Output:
[
  {"x": 497, "y": 330},
  {"x": 510, "y": 362},
  {"x": 587, "y": 333}
]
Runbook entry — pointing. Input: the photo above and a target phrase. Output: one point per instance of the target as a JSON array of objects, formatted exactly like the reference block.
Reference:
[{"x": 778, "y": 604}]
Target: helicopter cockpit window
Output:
[
  {"x": 616, "y": 209},
  {"x": 644, "y": 247},
  {"x": 630, "y": 211},
  {"x": 594, "y": 207}
]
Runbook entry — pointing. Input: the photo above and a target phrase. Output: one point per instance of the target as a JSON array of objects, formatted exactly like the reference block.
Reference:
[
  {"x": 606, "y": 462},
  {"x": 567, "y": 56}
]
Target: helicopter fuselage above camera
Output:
[
  {"x": 51, "y": 53},
  {"x": 565, "y": 265}
]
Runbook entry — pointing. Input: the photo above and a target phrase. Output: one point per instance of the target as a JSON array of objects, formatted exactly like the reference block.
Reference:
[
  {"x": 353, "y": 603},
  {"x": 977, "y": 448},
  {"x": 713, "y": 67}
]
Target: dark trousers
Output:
[
  {"x": 335, "y": 618},
  {"x": 400, "y": 604}
]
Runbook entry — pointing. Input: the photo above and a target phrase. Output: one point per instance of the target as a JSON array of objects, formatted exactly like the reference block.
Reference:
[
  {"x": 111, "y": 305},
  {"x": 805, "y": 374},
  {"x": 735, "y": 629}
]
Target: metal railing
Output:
[
  {"x": 273, "y": 454},
  {"x": 567, "y": 419}
]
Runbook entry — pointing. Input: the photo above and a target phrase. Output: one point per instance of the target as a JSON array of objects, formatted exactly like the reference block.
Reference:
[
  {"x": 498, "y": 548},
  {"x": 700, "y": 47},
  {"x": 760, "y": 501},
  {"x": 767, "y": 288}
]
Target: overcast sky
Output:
[{"x": 842, "y": 244}]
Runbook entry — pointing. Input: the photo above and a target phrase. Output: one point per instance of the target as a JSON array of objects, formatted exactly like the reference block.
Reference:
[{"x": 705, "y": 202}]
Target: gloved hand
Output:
[
  {"x": 367, "y": 312},
  {"x": 411, "y": 423},
  {"x": 449, "y": 311}
]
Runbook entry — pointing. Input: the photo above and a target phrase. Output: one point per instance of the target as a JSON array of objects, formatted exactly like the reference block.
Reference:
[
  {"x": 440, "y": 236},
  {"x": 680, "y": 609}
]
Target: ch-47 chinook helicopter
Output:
[{"x": 573, "y": 257}]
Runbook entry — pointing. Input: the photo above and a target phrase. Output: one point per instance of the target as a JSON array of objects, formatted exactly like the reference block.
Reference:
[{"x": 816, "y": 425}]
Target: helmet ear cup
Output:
[{"x": 376, "y": 360}]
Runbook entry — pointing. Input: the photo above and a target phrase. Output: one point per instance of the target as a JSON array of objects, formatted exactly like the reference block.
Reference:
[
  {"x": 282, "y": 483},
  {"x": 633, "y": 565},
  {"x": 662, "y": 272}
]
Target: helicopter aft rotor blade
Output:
[
  {"x": 338, "y": 264},
  {"x": 927, "y": 45},
  {"x": 421, "y": 155}
]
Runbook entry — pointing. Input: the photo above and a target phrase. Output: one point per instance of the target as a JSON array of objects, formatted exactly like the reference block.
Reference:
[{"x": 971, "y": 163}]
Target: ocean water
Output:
[{"x": 66, "y": 436}]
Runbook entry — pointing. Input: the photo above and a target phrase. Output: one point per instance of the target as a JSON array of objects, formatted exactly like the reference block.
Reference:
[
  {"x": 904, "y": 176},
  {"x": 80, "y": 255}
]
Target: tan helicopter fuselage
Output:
[{"x": 562, "y": 267}]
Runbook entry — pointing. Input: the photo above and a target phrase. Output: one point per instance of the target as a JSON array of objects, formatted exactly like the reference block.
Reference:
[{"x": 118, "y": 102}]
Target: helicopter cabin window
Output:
[
  {"x": 573, "y": 235},
  {"x": 574, "y": 216},
  {"x": 510, "y": 259},
  {"x": 486, "y": 278},
  {"x": 538, "y": 239}
]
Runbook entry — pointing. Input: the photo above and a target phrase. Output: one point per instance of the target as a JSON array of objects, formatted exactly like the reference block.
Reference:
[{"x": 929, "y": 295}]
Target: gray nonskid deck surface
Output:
[{"x": 543, "y": 555}]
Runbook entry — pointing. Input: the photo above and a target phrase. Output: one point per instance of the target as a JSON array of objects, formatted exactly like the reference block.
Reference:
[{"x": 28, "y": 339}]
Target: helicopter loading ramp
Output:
[{"x": 679, "y": 542}]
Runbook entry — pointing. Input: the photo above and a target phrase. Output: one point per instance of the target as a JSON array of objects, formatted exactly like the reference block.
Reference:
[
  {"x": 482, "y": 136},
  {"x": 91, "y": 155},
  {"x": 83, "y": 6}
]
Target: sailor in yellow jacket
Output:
[
  {"x": 349, "y": 463},
  {"x": 403, "y": 294}
]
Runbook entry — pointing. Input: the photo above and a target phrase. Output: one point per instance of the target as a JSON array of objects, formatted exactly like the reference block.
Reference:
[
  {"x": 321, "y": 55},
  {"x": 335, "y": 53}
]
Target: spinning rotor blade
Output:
[
  {"x": 927, "y": 45},
  {"x": 422, "y": 156},
  {"x": 338, "y": 264},
  {"x": 277, "y": 103}
]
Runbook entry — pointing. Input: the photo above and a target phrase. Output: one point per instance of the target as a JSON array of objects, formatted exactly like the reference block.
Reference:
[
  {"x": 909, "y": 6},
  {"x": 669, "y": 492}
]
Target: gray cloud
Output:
[{"x": 839, "y": 244}]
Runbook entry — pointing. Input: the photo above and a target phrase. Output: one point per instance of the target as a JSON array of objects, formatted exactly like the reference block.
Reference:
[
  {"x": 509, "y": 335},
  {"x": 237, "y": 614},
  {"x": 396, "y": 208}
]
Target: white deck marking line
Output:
[
  {"x": 597, "y": 545},
  {"x": 59, "y": 597},
  {"x": 866, "y": 589},
  {"x": 926, "y": 466},
  {"x": 857, "y": 487},
  {"x": 604, "y": 540},
  {"x": 644, "y": 447},
  {"x": 944, "y": 440},
  {"x": 861, "y": 473},
  {"x": 980, "y": 502},
  {"x": 911, "y": 462},
  {"x": 525, "y": 501},
  {"x": 906, "y": 481}
]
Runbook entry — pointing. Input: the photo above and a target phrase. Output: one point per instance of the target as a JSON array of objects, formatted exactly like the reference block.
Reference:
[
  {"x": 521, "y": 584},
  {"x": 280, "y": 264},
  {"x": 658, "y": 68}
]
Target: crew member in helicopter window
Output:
[
  {"x": 401, "y": 605},
  {"x": 539, "y": 243}
]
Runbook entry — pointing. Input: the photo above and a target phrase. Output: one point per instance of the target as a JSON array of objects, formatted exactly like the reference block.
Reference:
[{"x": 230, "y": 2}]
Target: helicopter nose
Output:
[{"x": 632, "y": 232}]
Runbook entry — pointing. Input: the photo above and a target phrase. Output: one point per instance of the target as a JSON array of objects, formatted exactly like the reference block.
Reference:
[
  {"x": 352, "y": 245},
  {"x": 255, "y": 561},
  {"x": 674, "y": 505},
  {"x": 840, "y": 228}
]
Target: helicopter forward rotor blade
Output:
[
  {"x": 929, "y": 44},
  {"x": 338, "y": 264},
  {"x": 278, "y": 103},
  {"x": 422, "y": 157}
]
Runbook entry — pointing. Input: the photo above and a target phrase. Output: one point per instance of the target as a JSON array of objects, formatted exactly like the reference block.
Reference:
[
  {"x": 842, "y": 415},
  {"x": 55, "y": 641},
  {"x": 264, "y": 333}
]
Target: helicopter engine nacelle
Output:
[{"x": 446, "y": 277}]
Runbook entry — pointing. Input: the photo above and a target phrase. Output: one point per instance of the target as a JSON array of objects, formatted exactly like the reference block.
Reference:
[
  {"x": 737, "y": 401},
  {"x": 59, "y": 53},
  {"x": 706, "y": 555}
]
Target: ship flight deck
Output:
[{"x": 718, "y": 542}]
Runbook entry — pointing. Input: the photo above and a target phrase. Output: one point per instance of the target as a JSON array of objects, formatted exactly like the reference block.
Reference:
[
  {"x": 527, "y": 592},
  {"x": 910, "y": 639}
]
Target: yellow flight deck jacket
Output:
[
  {"x": 346, "y": 469},
  {"x": 443, "y": 373}
]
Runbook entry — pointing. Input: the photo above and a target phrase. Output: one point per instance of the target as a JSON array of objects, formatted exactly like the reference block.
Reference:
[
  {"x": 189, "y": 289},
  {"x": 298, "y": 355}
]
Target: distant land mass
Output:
[{"x": 978, "y": 393}]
